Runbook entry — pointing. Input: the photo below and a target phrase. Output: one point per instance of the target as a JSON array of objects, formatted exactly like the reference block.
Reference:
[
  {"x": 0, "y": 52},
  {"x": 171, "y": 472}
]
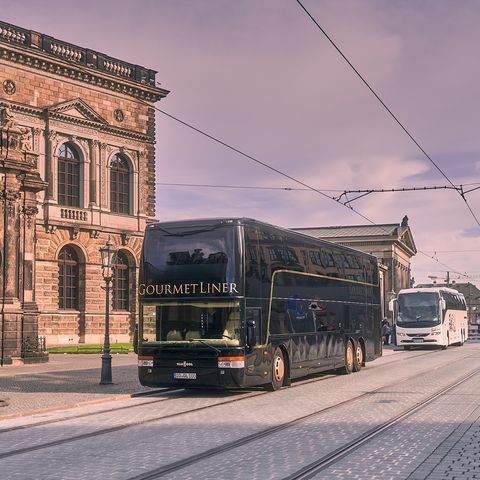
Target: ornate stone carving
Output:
[
  {"x": 9, "y": 87},
  {"x": 29, "y": 213},
  {"x": 119, "y": 115},
  {"x": 8, "y": 118},
  {"x": 51, "y": 229},
  {"x": 125, "y": 238},
  {"x": 94, "y": 233},
  {"x": 74, "y": 232},
  {"x": 37, "y": 132},
  {"x": 10, "y": 198},
  {"x": 26, "y": 140}
]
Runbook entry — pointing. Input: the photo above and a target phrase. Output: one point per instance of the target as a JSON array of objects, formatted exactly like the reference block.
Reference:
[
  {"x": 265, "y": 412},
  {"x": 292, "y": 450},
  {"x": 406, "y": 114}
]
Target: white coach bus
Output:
[{"x": 430, "y": 316}]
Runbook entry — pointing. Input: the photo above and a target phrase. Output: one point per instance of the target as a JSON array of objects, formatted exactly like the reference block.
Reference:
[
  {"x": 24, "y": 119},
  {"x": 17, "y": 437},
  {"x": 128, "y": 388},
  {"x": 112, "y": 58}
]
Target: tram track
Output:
[
  {"x": 232, "y": 445},
  {"x": 325, "y": 461},
  {"x": 181, "y": 391}
]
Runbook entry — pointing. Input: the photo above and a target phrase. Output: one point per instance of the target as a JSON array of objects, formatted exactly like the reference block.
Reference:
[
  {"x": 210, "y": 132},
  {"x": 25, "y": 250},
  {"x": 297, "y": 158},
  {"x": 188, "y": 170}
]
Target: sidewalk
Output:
[{"x": 66, "y": 381}]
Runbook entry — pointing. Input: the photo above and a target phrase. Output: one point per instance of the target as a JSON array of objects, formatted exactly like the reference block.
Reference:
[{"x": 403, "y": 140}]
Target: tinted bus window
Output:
[{"x": 186, "y": 257}]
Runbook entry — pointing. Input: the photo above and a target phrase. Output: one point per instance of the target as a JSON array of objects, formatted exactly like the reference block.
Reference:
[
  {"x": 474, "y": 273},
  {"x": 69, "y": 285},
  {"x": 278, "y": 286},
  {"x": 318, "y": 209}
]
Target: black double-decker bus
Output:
[{"x": 236, "y": 303}]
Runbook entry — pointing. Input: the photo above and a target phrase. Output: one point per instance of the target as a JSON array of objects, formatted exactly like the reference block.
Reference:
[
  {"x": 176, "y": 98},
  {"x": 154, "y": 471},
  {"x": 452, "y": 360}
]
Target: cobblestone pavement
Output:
[
  {"x": 404, "y": 378},
  {"x": 69, "y": 380},
  {"x": 66, "y": 380}
]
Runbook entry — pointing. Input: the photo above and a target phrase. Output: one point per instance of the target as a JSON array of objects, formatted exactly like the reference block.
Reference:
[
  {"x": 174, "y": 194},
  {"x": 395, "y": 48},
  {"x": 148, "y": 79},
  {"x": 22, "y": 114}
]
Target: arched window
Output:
[
  {"x": 68, "y": 279},
  {"x": 119, "y": 185},
  {"x": 68, "y": 176},
  {"x": 120, "y": 282}
]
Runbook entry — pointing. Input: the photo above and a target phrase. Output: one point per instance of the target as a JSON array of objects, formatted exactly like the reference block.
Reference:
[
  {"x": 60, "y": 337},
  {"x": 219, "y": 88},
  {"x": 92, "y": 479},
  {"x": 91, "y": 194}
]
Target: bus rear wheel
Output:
[
  {"x": 349, "y": 359},
  {"x": 358, "y": 359},
  {"x": 278, "y": 370}
]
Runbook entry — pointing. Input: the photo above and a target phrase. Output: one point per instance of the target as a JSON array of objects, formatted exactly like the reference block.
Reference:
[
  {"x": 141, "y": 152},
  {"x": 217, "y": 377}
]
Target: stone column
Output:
[
  {"x": 50, "y": 163},
  {"x": 93, "y": 146},
  {"x": 102, "y": 164},
  {"x": 20, "y": 183},
  {"x": 11, "y": 234},
  {"x": 32, "y": 351}
]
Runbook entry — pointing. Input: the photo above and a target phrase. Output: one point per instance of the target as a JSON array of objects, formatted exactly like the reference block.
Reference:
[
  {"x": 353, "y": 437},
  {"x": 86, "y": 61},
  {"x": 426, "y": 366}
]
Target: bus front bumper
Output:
[{"x": 214, "y": 377}]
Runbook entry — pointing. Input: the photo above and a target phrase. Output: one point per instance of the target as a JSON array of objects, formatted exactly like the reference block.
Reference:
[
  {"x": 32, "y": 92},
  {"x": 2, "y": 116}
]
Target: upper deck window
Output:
[{"x": 202, "y": 254}]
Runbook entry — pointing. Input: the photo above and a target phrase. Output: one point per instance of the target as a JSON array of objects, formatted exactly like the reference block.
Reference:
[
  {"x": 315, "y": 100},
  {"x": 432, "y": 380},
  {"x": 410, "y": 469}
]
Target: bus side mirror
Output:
[
  {"x": 135, "y": 339},
  {"x": 443, "y": 304},
  {"x": 251, "y": 333},
  {"x": 391, "y": 305}
]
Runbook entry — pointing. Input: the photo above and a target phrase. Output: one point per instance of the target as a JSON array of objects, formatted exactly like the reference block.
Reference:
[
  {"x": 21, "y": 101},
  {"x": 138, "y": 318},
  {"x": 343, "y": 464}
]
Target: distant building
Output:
[
  {"x": 391, "y": 243},
  {"x": 77, "y": 167}
]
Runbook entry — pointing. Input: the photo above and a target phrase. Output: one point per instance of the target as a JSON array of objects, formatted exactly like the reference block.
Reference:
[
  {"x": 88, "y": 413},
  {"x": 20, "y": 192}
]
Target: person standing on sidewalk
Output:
[{"x": 386, "y": 331}]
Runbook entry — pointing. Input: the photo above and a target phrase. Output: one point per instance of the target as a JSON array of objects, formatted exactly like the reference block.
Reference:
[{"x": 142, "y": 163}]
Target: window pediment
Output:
[{"x": 77, "y": 111}]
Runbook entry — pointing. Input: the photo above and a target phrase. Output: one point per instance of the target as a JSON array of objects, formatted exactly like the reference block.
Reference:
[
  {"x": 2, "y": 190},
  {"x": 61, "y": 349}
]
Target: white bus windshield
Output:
[{"x": 418, "y": 308}]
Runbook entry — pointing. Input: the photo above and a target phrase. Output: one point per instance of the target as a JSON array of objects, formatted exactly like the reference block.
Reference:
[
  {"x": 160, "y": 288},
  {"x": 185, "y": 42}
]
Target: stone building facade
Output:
[
  {"x": 77, "y": 168},
  {"x": 391, "y": 243}
]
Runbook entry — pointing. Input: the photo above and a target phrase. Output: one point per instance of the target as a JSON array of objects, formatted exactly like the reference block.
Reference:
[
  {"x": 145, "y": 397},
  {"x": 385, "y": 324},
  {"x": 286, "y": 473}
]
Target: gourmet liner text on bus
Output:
[{"x": 200, "y": 288}]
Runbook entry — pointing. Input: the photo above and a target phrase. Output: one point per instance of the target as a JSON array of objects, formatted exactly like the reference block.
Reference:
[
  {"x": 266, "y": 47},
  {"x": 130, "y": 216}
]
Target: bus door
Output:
[{"x": 254, "y": 354}]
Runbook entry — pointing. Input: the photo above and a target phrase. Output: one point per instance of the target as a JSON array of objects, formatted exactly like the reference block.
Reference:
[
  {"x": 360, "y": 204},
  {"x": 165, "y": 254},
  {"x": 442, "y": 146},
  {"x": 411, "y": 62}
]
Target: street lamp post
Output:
[{"x": 108, "y": 253}]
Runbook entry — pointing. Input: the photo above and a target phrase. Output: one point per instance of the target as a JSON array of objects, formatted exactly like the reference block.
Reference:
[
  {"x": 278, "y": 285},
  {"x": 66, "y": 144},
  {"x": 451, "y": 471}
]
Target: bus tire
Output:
[
  {"x": 347, "y": 369},
  {"x": 358, "y": 358},
  {"x": 278, "y": 370}
]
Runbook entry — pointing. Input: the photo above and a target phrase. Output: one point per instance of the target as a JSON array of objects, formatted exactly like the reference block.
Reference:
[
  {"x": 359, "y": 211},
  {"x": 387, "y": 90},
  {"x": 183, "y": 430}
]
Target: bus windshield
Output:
[
  {"x": 183, "y": 256},
  {"x": 181, "y": 323},
  {"x": 418, "y": 308}
]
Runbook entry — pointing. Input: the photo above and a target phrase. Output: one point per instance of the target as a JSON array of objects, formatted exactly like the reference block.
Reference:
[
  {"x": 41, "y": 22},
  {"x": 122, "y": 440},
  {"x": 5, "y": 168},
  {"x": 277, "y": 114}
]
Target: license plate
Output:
[
  {"x": 418, "y": 339},
  {"x": 184, "y": 376}
]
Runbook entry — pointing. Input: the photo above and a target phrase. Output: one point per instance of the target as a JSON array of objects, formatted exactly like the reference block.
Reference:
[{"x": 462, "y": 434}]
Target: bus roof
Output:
[
  {"x": 217, "y": 221},
  {"x": 429, "y": 289}
]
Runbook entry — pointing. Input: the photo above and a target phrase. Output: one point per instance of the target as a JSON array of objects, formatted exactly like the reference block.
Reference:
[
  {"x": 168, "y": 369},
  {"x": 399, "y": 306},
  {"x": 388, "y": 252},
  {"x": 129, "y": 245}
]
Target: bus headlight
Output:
[
  {"x": 400, "y": 334},
  {"x": 231, "y": 362}
]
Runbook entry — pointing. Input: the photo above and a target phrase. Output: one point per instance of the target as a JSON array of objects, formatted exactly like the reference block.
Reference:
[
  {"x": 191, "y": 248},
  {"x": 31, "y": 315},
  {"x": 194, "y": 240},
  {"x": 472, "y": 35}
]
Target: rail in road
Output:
[
  {"x": 172, "y": 394},
  {"x": 452, "y": 360}
]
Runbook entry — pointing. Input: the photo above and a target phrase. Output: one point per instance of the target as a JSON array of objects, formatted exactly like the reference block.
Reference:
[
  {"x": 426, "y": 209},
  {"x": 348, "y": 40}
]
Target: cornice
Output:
[
  {"x": 82, "y": 73},
  {"x": 44, "y": 114}
]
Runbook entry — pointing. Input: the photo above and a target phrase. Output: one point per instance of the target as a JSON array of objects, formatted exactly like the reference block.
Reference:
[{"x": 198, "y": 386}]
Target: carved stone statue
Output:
[
  {"x": 26, "y": 142},
  {"x": 8, "y": 119},
  {"x": 405, "y": 221}
]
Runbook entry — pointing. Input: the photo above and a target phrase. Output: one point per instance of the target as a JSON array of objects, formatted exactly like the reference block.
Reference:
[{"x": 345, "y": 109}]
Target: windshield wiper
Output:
[{"x": 201, "y": 340}]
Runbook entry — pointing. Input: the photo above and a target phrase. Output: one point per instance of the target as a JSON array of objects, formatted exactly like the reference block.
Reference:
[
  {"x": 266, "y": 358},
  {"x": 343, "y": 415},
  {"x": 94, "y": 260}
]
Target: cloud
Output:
[{"x": 261, "y": 77}]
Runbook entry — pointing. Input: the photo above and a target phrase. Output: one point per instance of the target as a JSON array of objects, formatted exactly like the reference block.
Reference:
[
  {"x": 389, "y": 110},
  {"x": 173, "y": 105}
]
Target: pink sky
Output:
[{"x": 261, "y": 76}]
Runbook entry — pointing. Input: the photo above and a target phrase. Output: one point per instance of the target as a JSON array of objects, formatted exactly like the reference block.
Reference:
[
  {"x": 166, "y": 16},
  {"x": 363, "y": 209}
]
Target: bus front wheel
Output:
[
  {"x": 349, "y": 359},
  {"x": 278, "y": 370}
]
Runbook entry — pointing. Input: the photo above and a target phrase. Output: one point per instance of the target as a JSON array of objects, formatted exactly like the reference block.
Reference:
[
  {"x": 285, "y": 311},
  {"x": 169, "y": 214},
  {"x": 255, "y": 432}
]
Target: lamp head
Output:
[{"x": 108, "y": 252}]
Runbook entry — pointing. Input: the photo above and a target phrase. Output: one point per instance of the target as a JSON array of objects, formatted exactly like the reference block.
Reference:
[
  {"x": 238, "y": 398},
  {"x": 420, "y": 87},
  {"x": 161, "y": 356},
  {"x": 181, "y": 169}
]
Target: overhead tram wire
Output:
[
  {"x": 337, "y": 198},
  {"x": 236, "y": 150},
  {"x": 250, "y": 157},
  {"x": 240, "y": 152},
  {"x": 462, "y": 194}
]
